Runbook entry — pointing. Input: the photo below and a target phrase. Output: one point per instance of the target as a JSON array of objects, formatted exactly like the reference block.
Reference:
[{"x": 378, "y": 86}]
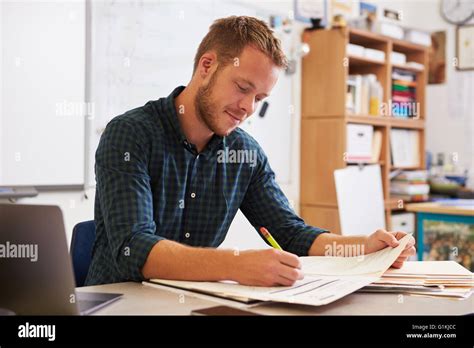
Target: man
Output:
[{"x": 165, "y": 197}]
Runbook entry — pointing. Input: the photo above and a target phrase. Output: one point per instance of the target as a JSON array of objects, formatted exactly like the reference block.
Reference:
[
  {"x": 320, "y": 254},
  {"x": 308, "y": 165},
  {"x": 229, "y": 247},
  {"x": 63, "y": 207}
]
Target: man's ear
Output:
[{"x": 207, "y": 64}]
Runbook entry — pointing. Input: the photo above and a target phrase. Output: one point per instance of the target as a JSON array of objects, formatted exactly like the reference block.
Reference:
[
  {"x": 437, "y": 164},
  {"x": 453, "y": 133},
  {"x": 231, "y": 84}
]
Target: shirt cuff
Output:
[
  {"x": 135, "y": 253},
  {"x": 301, "y": 244}
]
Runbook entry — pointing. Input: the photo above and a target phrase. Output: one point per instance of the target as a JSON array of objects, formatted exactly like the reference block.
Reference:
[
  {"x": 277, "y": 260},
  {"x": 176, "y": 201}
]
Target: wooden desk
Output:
[
  {"x": 437, "y": 208},
  {"x": 437, "y": 212},
  {"x": 139, "y": 299}
]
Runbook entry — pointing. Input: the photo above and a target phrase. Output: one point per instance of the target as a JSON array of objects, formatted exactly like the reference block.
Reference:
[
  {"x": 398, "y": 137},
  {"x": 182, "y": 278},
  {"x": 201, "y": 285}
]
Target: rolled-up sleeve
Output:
[
  {"x": 265, "y": 205},
  {"x": 125, "y": 197}
]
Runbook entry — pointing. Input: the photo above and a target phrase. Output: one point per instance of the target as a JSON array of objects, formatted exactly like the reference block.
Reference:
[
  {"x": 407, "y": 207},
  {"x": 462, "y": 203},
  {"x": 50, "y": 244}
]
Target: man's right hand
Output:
[{"x": 268, "y": 267}]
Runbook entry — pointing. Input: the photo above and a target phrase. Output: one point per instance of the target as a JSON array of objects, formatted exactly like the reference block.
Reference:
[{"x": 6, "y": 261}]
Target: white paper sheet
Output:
[
  {"x": 315, "y": 289},
  {"x": 430, "y": 269},
  {"x": 374, "y": 264},
  {"x": 360, "y": 199}
]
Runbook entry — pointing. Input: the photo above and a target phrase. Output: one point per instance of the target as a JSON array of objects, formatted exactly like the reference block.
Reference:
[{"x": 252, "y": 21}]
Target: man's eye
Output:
[{"x": 242, "y": 89}]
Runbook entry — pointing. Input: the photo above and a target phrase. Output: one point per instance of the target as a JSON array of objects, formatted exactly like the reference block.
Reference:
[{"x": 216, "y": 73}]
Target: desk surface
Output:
[
  {"x": 437, "y": 208},
  {"x": 140, "y": 299}
]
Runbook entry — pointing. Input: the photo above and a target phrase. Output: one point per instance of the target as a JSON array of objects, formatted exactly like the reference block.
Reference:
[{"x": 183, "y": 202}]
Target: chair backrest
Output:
[{"x": 83, "y": 236}]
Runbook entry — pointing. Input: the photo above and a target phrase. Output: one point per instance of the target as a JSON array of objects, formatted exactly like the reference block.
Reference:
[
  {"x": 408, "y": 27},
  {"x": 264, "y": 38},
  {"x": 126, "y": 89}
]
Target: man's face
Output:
[{"x": 232, "y": 93}]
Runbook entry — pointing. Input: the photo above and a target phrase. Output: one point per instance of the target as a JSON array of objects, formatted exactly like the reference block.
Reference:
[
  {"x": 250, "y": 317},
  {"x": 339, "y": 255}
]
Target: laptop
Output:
[{"x": 36, "y": 274}]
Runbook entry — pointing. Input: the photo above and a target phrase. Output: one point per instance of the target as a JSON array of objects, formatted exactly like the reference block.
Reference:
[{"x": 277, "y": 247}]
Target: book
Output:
[
  {"x": 404, "y": 93},
  {"x": 376, "y": 145},
  {"x": 405, "y": 145},
  {"x": 413, "y": 175},
  {"x": 364, "y": 96},
  {"x": 351, "y": 95},
  {"x": 403, "y": 75},
  {"x": 354, "y": 86},
  {"x": 409, "y": 188},
  {"x": 411, "y": 198}
]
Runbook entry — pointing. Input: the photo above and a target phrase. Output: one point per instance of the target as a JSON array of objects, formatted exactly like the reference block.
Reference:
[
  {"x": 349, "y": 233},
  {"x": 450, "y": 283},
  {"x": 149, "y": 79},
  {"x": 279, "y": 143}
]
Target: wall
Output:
[{"x": 74, "y": 205}]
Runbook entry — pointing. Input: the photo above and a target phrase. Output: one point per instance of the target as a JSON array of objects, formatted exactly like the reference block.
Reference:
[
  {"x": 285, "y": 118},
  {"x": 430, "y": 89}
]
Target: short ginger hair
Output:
[{"x": 228, "y": 37}]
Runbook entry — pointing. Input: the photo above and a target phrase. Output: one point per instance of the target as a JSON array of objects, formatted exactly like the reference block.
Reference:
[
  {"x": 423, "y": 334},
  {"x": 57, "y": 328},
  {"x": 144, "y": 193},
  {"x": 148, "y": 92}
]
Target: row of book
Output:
[
  {"x": 411, "y": 186},
  {"x": 404, "y": 93},
  {"x": 364, "y": 94}
]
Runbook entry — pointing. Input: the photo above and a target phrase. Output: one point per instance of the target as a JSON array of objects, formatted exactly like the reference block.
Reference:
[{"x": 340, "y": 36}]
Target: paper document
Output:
[
  {"x": 427, "y": 269},
  {"x": 327, "y": 279},
  {"x": 313, "y": 291},
  {"x": 374, "y": 264},
  {"x": 430, "y": 278}
]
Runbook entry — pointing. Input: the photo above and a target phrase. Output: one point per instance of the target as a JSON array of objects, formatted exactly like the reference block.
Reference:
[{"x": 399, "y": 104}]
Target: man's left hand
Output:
[{"x": 380, "y": 239}]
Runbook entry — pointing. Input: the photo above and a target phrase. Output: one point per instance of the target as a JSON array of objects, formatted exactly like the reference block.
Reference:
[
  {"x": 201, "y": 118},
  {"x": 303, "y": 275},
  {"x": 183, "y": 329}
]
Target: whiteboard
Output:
[
  {"x": 360, "y": 199},
  {"x": 142, "y": 50},
  {"x": 42, "y": 93}
]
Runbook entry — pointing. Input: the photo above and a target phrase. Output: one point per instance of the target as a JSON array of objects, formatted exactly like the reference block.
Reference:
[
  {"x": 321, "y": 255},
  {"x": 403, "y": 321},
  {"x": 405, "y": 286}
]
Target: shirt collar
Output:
[{"x": 169, "y": 110}]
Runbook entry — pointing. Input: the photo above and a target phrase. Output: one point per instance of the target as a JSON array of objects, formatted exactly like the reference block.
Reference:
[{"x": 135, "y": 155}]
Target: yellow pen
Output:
[{"x": 270, "y": 239}]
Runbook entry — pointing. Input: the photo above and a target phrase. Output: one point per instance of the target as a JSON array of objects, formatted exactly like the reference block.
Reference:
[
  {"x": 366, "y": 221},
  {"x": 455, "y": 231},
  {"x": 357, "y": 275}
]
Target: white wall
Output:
[{"x": 74, "y": 205}]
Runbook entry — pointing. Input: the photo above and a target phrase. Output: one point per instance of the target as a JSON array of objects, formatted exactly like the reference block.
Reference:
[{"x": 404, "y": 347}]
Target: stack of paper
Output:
[
  {"x": 411, "y": 186},
  {"x": 433, "y": 278},
  {"x": 311, "y": 290},
  {"x": 327, "y": 279}
]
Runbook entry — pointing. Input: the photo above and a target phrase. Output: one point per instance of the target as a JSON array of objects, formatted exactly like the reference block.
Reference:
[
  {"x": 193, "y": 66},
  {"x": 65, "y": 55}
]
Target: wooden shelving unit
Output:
[{"x": 324, "y": 116}]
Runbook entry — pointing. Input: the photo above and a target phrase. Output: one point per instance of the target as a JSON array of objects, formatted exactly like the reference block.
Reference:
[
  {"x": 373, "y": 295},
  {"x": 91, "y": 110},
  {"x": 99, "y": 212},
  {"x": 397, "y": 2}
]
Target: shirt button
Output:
[
  {"x": 187, "y": 235},
  {"x": 193, "y": 195}
]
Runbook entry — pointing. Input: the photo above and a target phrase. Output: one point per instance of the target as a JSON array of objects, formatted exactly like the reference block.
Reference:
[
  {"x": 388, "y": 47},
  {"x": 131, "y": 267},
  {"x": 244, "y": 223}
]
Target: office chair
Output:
[{"x": 83, "y": 236}]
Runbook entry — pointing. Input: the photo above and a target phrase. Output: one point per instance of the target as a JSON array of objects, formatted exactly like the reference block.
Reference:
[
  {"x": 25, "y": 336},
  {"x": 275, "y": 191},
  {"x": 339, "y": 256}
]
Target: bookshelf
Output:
[{"x": 325, "y": 118}]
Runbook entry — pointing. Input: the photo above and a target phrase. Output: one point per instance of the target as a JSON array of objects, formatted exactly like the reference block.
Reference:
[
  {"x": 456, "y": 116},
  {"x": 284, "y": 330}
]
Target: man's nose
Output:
[{"x": 247, "y": 105}]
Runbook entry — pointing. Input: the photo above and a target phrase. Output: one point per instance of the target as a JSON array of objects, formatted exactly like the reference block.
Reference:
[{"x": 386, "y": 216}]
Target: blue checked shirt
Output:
[{"x": 152, "y": 184}]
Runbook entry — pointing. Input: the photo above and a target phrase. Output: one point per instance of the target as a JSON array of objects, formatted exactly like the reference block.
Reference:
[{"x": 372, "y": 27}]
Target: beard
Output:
[{"x": 206, "y": 107}]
